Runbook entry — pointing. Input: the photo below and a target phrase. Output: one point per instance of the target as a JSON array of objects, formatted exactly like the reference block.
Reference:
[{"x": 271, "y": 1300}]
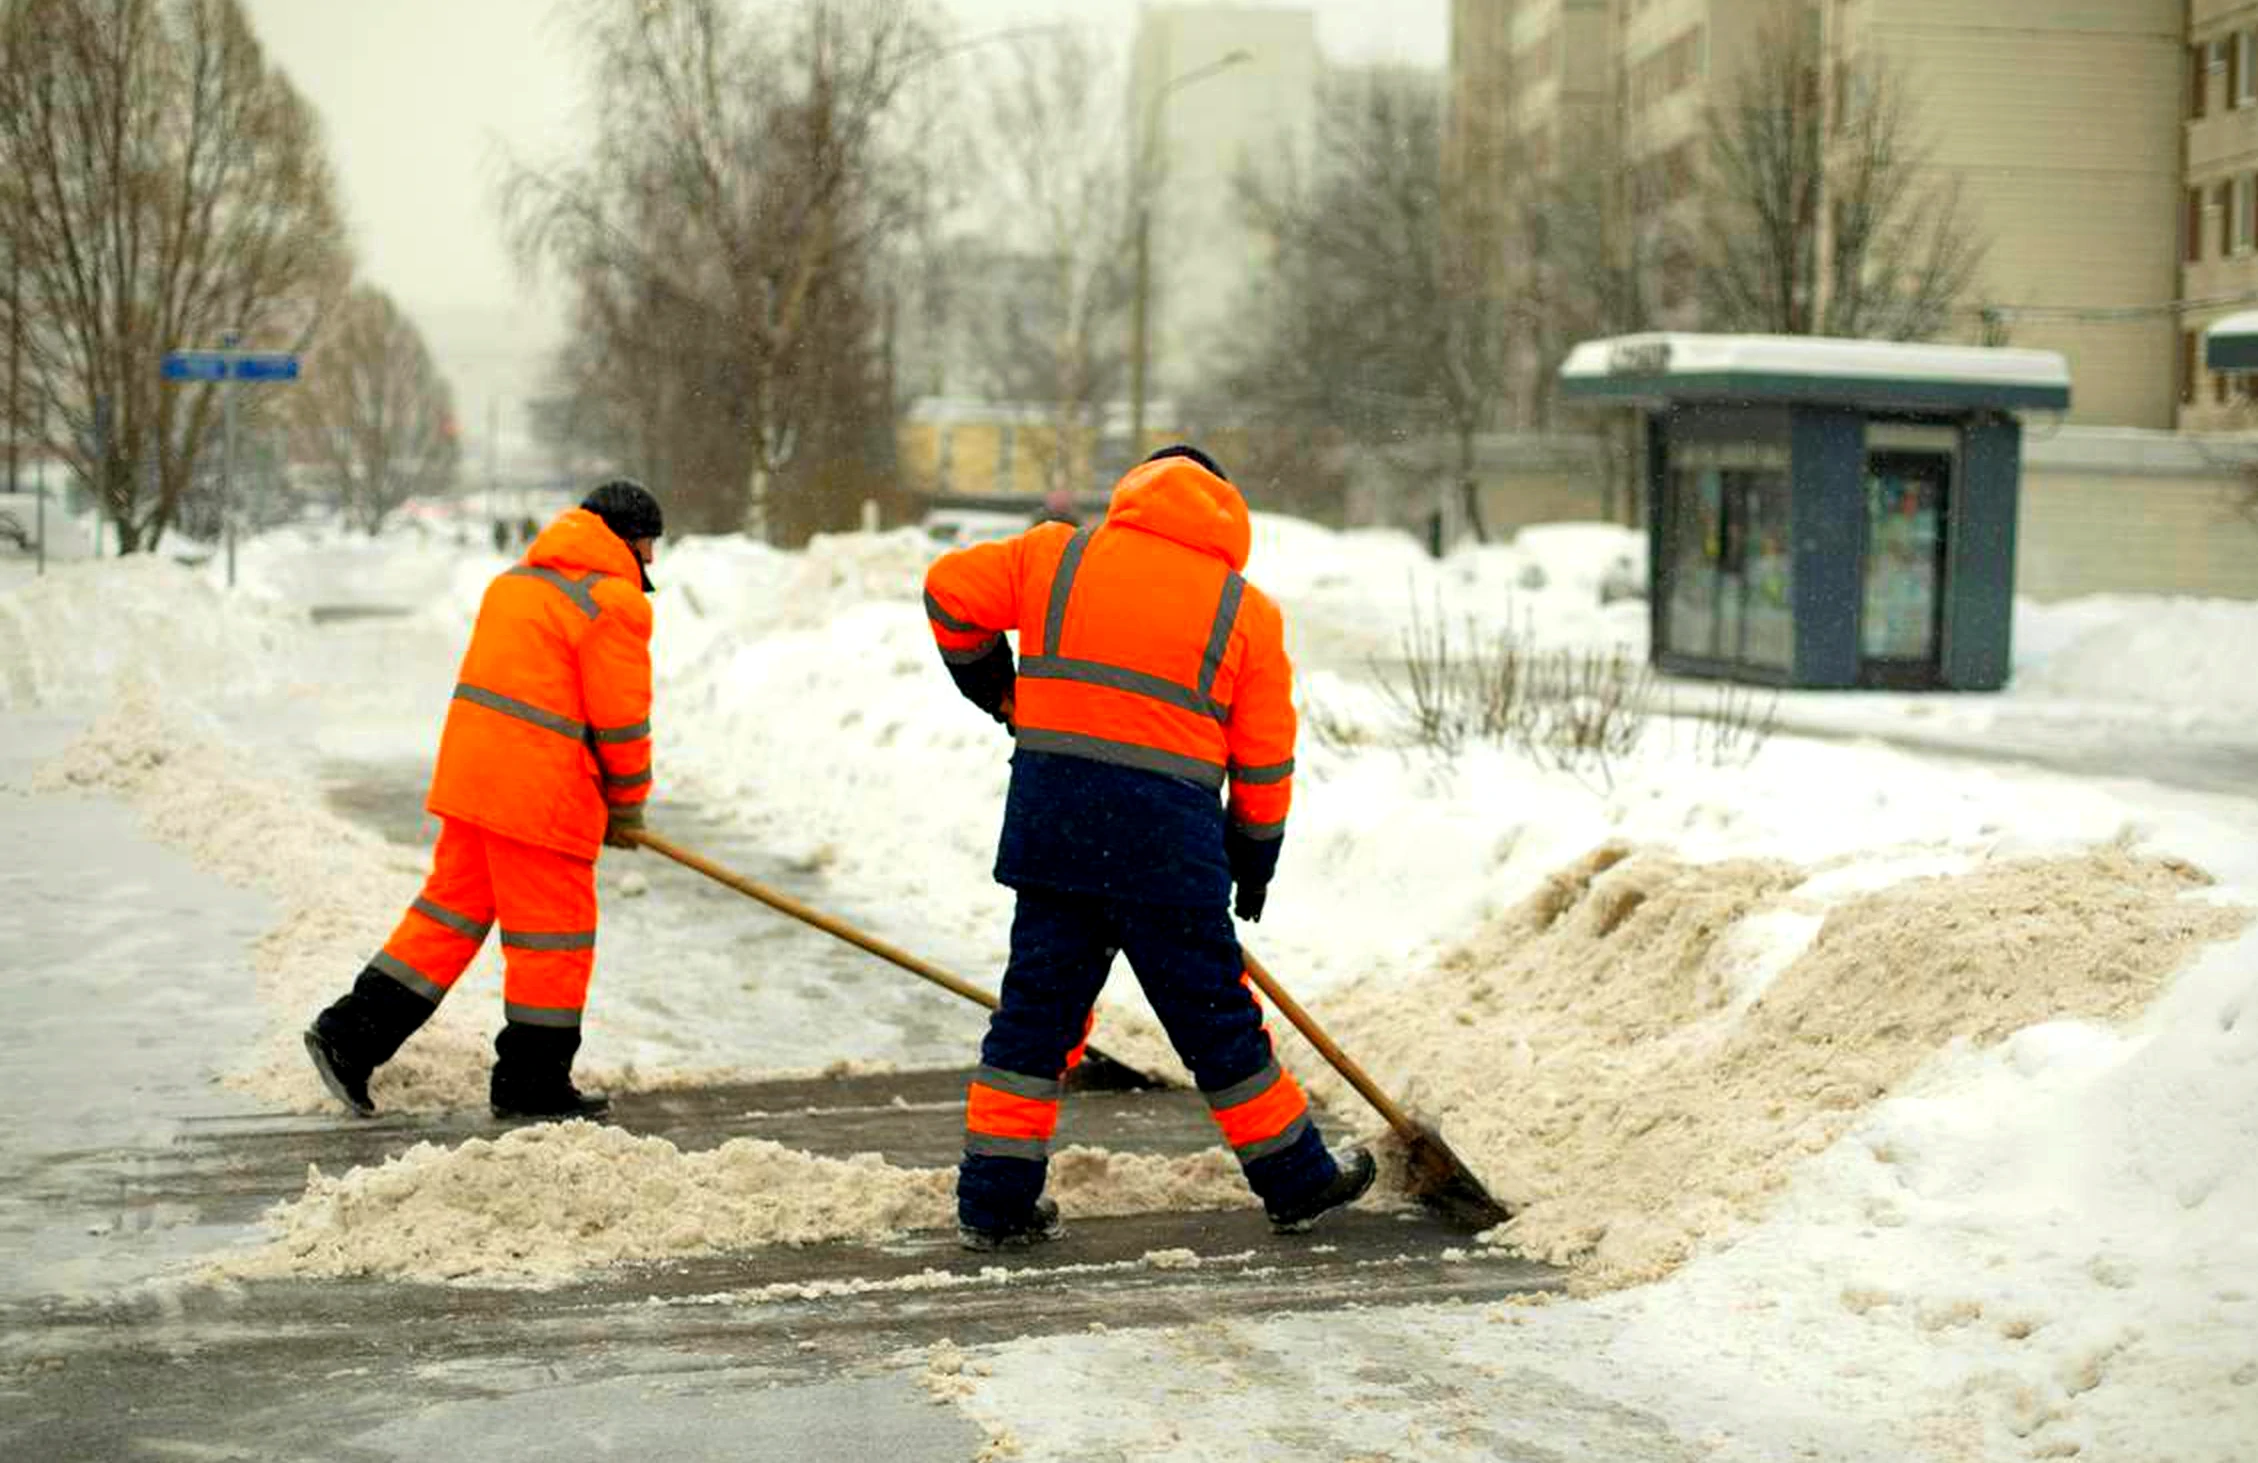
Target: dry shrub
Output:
[{"x": 1580, "y": 711}]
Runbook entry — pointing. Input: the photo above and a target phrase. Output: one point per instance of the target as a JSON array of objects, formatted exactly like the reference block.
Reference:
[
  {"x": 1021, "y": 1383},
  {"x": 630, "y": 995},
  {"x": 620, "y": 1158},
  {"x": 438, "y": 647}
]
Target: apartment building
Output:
[
  {"x": 1530, "y": 98},
  {"x": 1213, "y": 90},
  {"x": 2218, "y": 206},
  {"x": 2054, "y": 117},
  {"x": 1477, "y": 132},
  {"x": 2057, "y": 118},
  {"x": 1675, "y": 56}
]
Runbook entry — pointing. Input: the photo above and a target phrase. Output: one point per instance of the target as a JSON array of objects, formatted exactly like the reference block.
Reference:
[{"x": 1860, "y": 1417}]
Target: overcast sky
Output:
[{"x": 422, "y": 100}]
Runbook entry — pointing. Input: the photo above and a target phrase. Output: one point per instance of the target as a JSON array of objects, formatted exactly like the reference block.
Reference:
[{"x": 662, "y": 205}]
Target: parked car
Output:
[{"x": 953, "y": 527}]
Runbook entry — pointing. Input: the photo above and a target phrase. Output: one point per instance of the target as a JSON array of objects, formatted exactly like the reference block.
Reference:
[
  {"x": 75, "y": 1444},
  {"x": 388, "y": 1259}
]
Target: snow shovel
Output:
[
  {"x": 1437, "y": 1177},
  {"x": 1096, "y": 1072}
]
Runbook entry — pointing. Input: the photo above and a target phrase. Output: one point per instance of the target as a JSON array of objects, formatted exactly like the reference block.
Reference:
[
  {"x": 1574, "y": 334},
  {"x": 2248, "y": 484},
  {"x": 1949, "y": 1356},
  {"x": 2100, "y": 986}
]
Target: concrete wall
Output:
[
  {"x": 2103, "y": 510},
  {"x": 2135, "y": 513}
]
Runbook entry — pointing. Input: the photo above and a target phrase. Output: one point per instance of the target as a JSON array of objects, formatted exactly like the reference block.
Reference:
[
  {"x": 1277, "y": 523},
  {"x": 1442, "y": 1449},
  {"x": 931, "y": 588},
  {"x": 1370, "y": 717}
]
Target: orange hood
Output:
[
  {"x": 579, "y": 542},
  {"x": 1180, "y": 500}
]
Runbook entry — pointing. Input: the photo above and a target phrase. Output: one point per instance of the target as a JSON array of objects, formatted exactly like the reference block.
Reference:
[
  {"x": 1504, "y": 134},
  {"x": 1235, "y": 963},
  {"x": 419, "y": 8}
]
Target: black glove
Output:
[
  {"x": 622, "y": 823},
  {"x": 1253, "y": 861},
  {"x": 987, "y": 679}
]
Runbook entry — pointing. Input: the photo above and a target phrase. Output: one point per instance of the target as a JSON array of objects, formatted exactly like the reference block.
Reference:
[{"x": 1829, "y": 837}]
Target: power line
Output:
[{"x": 2107, "y": 314}]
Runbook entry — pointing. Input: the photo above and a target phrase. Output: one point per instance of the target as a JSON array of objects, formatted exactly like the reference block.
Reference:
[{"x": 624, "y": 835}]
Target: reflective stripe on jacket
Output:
[
  {"x": 550, "y": 724},
  {"x": 1140, "y": 644}
]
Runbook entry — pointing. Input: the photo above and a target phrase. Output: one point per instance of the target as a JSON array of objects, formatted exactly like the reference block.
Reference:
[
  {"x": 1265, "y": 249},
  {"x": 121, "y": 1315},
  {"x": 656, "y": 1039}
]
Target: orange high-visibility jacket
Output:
[
  {"x": 550, "y": 726},
  {"x": 1139, "y": 643}
]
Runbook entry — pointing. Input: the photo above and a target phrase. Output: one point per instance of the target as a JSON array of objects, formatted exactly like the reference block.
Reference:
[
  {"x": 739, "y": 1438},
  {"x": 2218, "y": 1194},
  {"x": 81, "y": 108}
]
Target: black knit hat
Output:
[
  {"x": 628, "y": 510},
  {"x": 1185, "y": 449}
]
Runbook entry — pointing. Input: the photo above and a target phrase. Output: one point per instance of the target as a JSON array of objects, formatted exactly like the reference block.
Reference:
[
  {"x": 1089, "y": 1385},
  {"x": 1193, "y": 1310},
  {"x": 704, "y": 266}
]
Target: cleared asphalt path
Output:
[
  {"x": 124, "y": 1164},
  {"x": 697, "y": 1357}
]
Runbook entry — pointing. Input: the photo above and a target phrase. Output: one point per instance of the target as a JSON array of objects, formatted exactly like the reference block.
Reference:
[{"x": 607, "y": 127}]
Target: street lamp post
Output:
[{"x": 1140, "y": 310}]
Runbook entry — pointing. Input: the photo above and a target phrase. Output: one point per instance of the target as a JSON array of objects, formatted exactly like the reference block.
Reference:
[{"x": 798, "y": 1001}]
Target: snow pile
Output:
[
  {"x": 68, "y": 637},
  {"x": 2056, "y": 1232},
  {"x": 2181, "y": 657},
  {"x": 1595, "y": 1054},
  {"x": 1353, "y": 598},
  {"x": 544, "y": 1203},
  {"x": 405, "y": 567},
  {"x": 2039, "y": 1247}
]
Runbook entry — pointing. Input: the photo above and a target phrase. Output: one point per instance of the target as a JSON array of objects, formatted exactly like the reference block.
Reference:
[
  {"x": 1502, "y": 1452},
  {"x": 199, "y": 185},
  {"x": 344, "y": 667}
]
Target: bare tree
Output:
[
  {"x": 374, "y": 416},
  {"x": 1824, "y": 216},
  {"x": 1601, "y": 245},
  {"x": 1366, "y": 328},
  {"x": 722, "y": 243},
  {"x": 1052, "y": 135},
  {"x": 161, "y": 186}
]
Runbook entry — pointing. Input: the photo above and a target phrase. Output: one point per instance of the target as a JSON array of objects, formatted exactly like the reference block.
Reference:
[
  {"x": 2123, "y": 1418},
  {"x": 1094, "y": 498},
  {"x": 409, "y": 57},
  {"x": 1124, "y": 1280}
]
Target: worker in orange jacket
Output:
[
  {"x": 1150, "y": 677},
  {"x": 546, "y": 755}
]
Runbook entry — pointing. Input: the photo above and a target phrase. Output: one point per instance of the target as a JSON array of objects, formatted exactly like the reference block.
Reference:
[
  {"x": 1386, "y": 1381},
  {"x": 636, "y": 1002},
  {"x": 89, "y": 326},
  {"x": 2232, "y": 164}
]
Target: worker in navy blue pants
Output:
[{"x": 1187, "y": 959}]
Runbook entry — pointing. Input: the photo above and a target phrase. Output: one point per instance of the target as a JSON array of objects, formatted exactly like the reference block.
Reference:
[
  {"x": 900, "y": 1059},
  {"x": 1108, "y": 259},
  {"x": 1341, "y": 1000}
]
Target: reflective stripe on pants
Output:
[
  {"x": 443, "y": 929},
  {"x": 545, "y": 902},
  {"x": 1010, "y": 1114},
  {"x": 1261, "y": 1115}
]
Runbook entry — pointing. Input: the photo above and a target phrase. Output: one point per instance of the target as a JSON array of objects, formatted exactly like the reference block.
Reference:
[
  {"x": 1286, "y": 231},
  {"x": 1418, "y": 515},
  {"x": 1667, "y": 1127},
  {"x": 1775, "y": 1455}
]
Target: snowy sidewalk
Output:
[
  {"x": 128, "y": 989},
  {"x": 2082, "y": 739}
]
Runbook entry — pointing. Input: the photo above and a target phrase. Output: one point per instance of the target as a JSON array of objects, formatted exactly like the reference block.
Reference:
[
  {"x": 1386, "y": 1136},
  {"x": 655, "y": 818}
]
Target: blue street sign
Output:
[
  {"x": 226, "y": 365},
  {"x": 195, "y": 366},
  {"x": 269, "y": 367}
]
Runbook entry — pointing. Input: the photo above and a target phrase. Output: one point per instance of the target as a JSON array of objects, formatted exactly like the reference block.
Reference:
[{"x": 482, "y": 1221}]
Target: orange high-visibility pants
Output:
[{"x": 545, "y": 902}]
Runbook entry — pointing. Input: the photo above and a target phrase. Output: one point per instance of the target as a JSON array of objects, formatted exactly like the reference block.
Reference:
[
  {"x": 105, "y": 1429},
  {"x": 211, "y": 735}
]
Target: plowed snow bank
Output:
[{"x": 1596, "y": 1054}]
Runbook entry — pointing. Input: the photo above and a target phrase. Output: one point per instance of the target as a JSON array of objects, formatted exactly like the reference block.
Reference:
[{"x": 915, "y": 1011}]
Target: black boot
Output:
[
  {"x": 360, "y": 1032},
  {"x": 1042, "y": 1224},
  {"x": 533, "y": 1075},
  {"x": 1355, "y": 1170}
]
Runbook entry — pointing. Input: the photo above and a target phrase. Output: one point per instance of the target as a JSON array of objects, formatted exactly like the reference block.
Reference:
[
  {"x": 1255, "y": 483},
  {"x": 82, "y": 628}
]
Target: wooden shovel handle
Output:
[
  {"x": 786, "y": 904},
  {"x": 1342, "y": 1062}
]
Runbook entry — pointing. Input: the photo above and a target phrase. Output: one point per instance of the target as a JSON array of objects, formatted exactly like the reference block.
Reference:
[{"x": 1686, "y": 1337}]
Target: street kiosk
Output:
[{"x": 1828, "y": 513}]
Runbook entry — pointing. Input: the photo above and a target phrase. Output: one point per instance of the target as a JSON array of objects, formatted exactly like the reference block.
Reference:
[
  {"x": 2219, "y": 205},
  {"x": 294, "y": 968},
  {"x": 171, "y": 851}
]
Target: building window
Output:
[
  {"x": 2222, "y": 199},
  {"x": 1670, "y": 70},
  {"x": 2198, "y": 80},
  {"x": 2193, "y": 231},
  {"x": 2242, "y": 220},
  {"x": 2245, "y": 64},
  {"x": 2233, "y": 53},
  {"x": 2190, "y": 344}
]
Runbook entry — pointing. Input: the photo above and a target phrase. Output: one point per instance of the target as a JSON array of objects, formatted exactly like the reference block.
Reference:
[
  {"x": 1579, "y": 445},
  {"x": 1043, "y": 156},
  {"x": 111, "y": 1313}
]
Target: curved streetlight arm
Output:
[
  {"x": 1147, "y": 143},
  {"x": 1143, "y": 184}
]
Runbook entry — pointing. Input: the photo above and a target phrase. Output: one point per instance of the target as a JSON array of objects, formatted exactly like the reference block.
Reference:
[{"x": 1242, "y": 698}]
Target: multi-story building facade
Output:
[
  {"x": 2057, "y": 120},
  {"x": 1252, "y": 106},
  {"x": 1477, "y": 136},
  {"x": 1530, "y": 103},
  {"x": 2218, "y": 204},
  {"x": 2053, "y": 118}
]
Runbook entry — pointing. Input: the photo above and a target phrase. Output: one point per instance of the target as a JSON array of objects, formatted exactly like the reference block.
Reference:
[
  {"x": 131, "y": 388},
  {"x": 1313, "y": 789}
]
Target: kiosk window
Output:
[{"x": 1731, "y": 557}]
